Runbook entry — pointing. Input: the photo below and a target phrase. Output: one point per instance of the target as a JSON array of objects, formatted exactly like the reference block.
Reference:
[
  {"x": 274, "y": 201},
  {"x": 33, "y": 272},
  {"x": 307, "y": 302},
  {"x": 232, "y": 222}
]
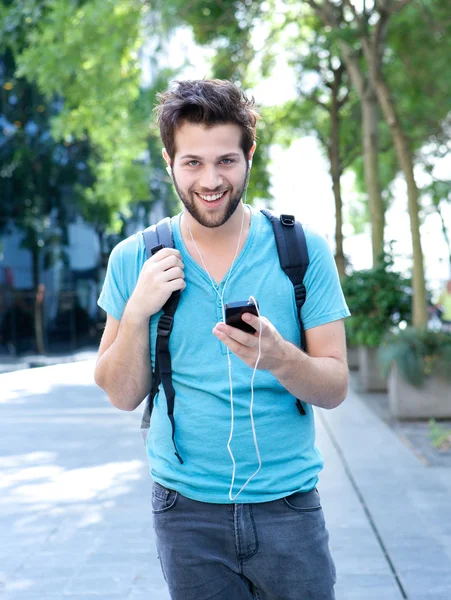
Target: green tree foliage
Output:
[
  {"x": 418, "y": 69},
  {"x": 86, "y": 55},
  {"x": 40, "y": 178},
  {"x": 326, "y": 107},
  {"x": 159, "y": 182},
  {"x": 226, "y": 27},
  {"x": 418, "y": 72},
  {"x": 315, "y": 61},
  {"x": 378, "y": 298}
]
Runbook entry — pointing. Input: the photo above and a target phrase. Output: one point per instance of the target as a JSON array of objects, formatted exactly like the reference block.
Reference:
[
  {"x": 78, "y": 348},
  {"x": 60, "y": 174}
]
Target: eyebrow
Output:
[{"x": 195, "y": 157}]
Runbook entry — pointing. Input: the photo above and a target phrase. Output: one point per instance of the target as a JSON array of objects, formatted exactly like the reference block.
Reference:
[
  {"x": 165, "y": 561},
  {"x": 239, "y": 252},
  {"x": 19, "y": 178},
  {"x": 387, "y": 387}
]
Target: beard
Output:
[{"x": 205, "y": 219}]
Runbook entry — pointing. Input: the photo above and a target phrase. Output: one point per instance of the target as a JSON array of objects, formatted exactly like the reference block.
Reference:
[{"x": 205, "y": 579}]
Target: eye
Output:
[
  {"x": 227, "y": 161},
  {"x": 193, "y": 161}
]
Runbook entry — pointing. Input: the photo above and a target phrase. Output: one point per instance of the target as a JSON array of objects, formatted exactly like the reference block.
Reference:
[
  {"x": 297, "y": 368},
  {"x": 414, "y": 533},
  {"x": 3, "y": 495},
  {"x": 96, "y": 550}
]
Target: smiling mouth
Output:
[{"x": 212, "y": 197}]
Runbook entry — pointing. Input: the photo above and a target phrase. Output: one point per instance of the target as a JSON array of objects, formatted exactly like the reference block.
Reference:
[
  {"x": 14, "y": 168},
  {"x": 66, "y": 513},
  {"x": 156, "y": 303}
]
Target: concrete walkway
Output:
[{"x": 75, "y": 516}]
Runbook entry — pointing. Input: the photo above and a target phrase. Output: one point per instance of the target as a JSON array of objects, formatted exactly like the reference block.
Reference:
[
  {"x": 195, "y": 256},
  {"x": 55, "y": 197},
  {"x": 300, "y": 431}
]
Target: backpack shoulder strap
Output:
[
  {"x": 157, "y": 237},
  {"x": 292, "y": 250},
  {"x": 294, "y": 260}
]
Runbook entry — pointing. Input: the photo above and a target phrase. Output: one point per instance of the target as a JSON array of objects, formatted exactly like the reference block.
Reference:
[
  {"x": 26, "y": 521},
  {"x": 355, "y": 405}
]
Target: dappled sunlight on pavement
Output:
[
  {"x": 75, "y": 509},
  {"x": 53, "y": 484},
  {"x": 20, "y": 385}
]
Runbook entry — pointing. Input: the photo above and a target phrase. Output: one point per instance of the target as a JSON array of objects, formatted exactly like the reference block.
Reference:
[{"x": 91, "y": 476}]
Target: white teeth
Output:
[{"x": 212, "y": 198}]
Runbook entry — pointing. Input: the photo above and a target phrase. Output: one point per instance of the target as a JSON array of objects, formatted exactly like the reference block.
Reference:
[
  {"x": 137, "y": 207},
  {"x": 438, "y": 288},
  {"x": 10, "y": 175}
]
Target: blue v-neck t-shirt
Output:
[{"x": 202, "y": 412}]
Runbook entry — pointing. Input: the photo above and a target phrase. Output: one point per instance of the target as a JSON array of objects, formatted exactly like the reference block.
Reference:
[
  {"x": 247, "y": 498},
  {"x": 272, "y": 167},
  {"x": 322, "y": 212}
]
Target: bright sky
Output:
[{"x": 301, "y": 183}]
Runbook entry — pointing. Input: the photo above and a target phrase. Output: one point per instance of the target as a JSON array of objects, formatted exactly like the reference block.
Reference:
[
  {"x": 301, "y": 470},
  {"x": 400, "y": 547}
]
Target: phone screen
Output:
[{"x": 233, "y": 317}]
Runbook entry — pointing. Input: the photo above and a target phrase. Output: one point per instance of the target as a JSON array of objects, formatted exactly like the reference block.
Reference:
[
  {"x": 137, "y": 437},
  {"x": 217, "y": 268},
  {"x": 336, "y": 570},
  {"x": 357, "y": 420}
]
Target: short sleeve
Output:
[
  {"x": 124, "y": 266},
  {"x": 325, "y": 301}
]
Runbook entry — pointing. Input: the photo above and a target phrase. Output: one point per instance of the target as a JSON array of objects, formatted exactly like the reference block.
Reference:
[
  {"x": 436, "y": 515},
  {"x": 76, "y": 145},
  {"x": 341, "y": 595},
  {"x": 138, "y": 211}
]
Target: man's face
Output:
[{"x": 209, "y": 171}]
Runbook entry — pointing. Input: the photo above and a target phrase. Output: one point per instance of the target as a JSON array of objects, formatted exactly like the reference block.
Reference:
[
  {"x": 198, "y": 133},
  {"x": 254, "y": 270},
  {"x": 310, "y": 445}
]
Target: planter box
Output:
[
  {"x": 370, "y": 376},
  {"x": 431, "y": 401},
  {"x": 353, "y": 358}
]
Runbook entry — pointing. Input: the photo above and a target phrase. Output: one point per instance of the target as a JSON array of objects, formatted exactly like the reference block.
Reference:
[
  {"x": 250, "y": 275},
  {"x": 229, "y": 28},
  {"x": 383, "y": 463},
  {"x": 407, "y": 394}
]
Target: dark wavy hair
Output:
[{"x": 208, "y": 102}]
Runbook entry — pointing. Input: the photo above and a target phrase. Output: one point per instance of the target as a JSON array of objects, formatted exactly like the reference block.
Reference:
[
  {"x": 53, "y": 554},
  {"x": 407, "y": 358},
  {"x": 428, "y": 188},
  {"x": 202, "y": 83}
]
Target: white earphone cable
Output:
[
  {"x": 229, "y": 362},
  {"x": 251, "y": 411},
  {"x": 221, "y": 296}
]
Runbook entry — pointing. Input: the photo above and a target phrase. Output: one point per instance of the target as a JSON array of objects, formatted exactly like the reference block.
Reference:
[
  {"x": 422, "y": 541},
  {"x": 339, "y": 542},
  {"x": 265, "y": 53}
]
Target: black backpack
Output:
[{"x": 293, "y": 257}]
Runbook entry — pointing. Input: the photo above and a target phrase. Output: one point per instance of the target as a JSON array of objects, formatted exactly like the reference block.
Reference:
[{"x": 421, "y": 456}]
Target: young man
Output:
[{"x": 240, "y": 518}]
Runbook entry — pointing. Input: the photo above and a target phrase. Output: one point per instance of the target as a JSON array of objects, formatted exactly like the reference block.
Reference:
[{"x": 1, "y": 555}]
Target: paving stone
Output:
[
  {"x": 35, "y": 585},
  {"x": 51, "y": 558},
  {"x": 101, "y": 583},
  {"x": 109, "y": 596},
  {"x": 9, "y": 564},
  {"x": 149, "y": 584},
  {"x": 365, "y": 586},
  {"x": 27, "y": 595},
  {"x": 45, "y": 572},
  {"x": 430, "y": 596},
  {"x": 378, "y": 593},
  {"x": 157, "y": 594}
]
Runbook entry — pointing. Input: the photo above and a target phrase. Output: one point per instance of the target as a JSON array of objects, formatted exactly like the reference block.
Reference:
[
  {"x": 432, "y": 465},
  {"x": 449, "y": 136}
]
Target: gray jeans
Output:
[{"x": 266, "y": 551}]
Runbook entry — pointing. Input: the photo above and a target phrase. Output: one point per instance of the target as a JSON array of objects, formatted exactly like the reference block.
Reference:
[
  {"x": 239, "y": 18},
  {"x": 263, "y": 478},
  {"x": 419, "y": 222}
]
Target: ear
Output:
[
  {"x": 166, "y": 157},
  {"x": 251, "y": 152}
]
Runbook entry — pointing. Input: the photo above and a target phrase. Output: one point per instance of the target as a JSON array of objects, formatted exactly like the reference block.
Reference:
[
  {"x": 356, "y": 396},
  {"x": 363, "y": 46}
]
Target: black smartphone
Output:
[{"x": 233, "y": 312}]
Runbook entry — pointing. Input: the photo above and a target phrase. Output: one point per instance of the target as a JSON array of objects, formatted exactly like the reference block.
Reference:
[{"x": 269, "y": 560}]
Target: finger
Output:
[
  {"x": 164, "y": 253},
  {"x": 231, "y": 344},
  {"x": 243, "y": 338},
  {"x": 170, "y": 262},
  {"x": 173, "y": 273},
  {"x": 177, "y": 284},
  {"x": 253, "y": 321}
]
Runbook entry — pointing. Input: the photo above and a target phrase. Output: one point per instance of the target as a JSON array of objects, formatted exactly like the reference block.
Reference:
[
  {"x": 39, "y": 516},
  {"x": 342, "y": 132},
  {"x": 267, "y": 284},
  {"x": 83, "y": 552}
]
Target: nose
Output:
[{"x": 210, "y": 178}]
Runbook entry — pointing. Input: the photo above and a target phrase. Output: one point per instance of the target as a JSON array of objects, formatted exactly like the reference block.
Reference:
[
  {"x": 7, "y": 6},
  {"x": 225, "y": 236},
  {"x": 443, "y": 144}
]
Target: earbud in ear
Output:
[
  {"x": 250, "y": 165},
  {"x": 169, "y": 171}
]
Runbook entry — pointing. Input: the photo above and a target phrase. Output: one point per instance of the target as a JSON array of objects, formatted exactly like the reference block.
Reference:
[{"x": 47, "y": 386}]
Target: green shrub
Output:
[
  {"x": 379, "y": 299},
  {"x": 440, "y": 436},
  {"x": 417, "y": 353}
]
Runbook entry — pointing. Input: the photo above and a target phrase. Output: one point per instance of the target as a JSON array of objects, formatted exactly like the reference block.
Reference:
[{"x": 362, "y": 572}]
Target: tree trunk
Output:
[
  {"x": 370, "y": 121},
  {"x": 373, "y": 52},
  {"x": 419, "y": 308},
  {"x": 35, "y": 254},
  {"x": 38, "y": 302},
  {"x": 339, "y": 254},
  {"x": 39, "y": 318},
  {"x": 336, "y": 171},
  {"x": 370, "y": 133}
]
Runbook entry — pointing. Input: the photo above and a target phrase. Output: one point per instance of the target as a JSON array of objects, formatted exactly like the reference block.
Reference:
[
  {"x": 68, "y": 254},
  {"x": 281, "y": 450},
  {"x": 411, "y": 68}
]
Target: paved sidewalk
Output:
[
  {"x": 9, "y": 363},
  {"x": 75, "y": 516}
]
